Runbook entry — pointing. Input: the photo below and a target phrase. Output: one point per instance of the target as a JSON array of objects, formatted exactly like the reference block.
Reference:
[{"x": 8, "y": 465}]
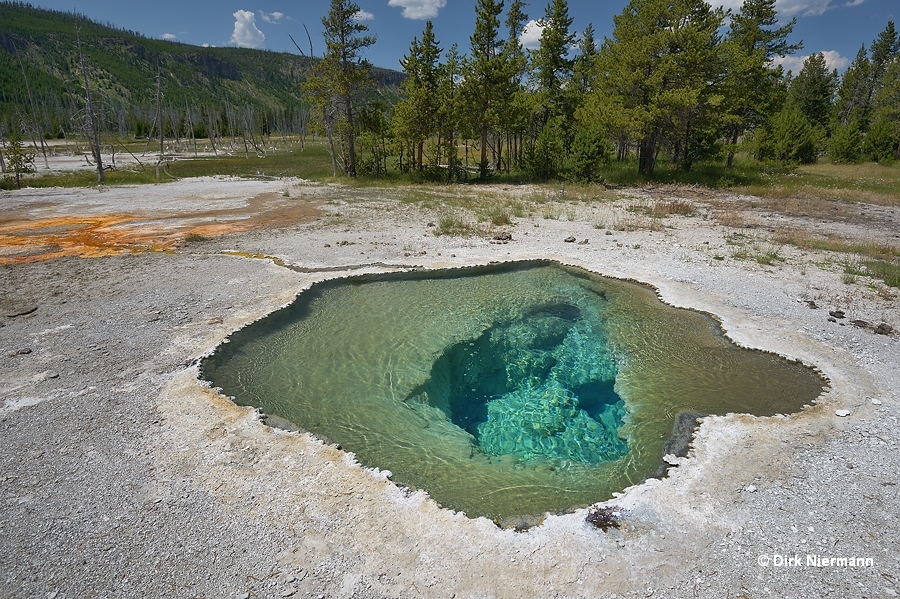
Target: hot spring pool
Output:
[{"x": 504, "y": 390}]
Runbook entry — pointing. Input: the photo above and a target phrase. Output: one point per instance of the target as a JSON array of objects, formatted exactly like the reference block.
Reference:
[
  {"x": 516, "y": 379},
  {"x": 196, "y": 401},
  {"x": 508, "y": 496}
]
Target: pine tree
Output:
[
  {"x": 751, "y": 83},
  {"x": 584, "y": 69},
  {"x": 845, "y": 144},
  {"x": 550, "y": 64},
  {"x": 20, "y": 160},
  {"x": 414, "y": 115},
  {"x": 448, "y": 116},
  {"x": 882, "y": 141},
  {"x": 514, "y": 120},
  {"x": 813, "y": 90},
  {"x": 486, "y": 75},
  {"x": 551, "y": 76},
  {"x": 663, "y": 66},
  {"x": 788, "y": 137},
  {"x": 854, "y": 94},
  {"x": 340, "y": 76}
]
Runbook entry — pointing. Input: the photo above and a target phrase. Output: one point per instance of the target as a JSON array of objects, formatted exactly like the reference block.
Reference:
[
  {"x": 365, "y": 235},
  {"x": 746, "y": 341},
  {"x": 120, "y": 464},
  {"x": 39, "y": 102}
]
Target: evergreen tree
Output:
[
  {"x": 853, "y": 97},
  {"x": 414, "y": 116},
  {"x": 584, "y": 70},
  {"x": 884, "y": 49},
  {"x": 882, "y": 142},
  {"x": 845, "y": 144},
  {"x": 449, "y": 107},
  {"x": 550, "y": 64},
  {"x": 514, "y": 120},
  {"x": 20, "y": 160},
  {"x": 753, "y": 41},
  {"x": 551, "y": 75},
  {"x": 788, "y": 137},
  {"x": 486, "y": 75},
  {"x": 340, "y": 76},
  {"x": 813, "y": 90},
  {"x": 663, "y": 66}
]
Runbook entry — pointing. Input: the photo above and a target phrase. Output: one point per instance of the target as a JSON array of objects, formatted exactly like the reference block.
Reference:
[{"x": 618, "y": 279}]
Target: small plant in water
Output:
[{"x": 603, "y": 518}]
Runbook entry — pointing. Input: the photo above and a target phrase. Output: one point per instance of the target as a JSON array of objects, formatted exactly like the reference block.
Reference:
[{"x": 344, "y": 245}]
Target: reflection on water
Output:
[{"x": 505, "y": 390}]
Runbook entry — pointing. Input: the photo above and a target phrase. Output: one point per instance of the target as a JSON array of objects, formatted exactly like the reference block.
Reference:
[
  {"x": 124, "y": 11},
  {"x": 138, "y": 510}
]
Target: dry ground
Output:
[{"x": 122, "y": 476}]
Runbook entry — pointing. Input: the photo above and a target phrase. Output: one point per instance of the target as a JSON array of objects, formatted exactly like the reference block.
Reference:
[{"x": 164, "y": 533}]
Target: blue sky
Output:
[{"x": 835, "y": 27}]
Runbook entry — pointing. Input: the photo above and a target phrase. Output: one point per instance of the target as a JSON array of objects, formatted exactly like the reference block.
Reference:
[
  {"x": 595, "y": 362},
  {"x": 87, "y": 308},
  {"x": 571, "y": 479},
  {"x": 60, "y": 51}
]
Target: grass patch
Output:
[
  {"x": 804, "y": 240},
  {"x": 869, "y": 182},
  {"x": 889, "y": 272},
  {"x": 769, "y": 257},
  {"x": 195, "y": 238},
  {"x": 452, "y": 223}
]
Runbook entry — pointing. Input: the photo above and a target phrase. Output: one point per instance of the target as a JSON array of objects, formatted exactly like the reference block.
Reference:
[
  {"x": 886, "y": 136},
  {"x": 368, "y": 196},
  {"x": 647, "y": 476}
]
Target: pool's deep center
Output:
[{"x": 538, "y": 389}]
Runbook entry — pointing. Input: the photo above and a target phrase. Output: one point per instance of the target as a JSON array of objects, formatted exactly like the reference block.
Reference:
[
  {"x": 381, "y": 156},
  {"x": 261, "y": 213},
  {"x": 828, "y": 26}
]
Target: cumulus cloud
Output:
[
  {"x": 246, "y": 33},
  {"x": 531, "y": 35},
  {"x": 363, "y": 15},
  {"x": 271, "y": 17},
  {"x": 169, "y": 36},
  {"x": 788, "y": 8},
  {"x": 833, "y": 60},
  {"x": 419, "y": 9}
]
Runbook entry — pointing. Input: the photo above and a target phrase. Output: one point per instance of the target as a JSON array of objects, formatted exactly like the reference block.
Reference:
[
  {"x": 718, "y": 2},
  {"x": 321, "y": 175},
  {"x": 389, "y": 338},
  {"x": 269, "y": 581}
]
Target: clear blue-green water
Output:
[{"x": 505, "y": 390}]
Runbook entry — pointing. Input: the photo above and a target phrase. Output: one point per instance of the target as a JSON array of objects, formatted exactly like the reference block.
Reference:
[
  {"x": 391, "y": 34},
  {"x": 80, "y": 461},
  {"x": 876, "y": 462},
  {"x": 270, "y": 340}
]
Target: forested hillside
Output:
[
  {"x": 678, "y": 83},
  {"x": 42, "y": 85}
]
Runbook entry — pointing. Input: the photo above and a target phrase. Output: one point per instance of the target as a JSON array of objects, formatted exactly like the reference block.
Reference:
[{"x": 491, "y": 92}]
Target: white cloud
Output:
[
  {"x": 531, "y": 35},
  {"x": 788, "y": 8},
  {"x": 363, "y": 15},
  {"x": 271, "y": 17},
  {"x": 246, "y": 33},
  {"x": 833, "y": 60},
  {"x": 169, "y": 36},
  {"x": 419, "y": 9},
  {"x": 204, "y": 45}
]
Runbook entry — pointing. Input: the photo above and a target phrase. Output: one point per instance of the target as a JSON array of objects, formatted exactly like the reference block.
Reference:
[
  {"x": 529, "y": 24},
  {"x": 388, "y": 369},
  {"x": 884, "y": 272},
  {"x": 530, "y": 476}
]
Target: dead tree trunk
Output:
[{"x": 91, "y": 119}]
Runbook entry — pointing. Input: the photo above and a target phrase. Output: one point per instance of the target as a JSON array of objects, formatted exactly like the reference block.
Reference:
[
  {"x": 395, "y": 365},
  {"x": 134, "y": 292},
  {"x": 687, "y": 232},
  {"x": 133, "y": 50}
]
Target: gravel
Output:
[{"x": 121, "y": 475}]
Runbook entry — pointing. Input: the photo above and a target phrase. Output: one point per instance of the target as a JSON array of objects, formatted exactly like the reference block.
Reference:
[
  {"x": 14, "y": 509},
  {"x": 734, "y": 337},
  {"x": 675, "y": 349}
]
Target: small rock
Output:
[
  {"x": 16, "y": 312},
  {"x": 430, "y": 224},
  {"x": 884, "y": 329},
  {"x": 244, "y": 596},
  {"x": 842, "y": 413},
  {"x": 876, "y": 402},
  {"x": 813, "y": 305},
  {"x": 288, "y": 592},
  {"x": 569, "y": 239},
  {"x": 832, "y": 320},
  {"x": 583, "y": 242},
  {"x": 608, "y": 232},
  {"x": 387, "y": 473},
  {"x": 328, "y": 245},
  {"x": 21, "y": 352},
  {"x": 503, "y": 236},
  {"x": 671, "y": 459},
  {"x": 750, "y": 488},
  {"x": 860, "y": 323},
  {"x": 836, "y": 313}
]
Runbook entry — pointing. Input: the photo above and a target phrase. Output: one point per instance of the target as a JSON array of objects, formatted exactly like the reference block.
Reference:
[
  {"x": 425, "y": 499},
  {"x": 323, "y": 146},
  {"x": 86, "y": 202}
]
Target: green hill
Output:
[{"x": 198, "y": 84}]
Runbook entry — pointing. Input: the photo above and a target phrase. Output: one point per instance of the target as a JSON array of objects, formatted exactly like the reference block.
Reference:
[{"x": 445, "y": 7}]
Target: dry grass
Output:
[
  {"x": 866, "y": 249},
  {"x": 870, "y": 183}
]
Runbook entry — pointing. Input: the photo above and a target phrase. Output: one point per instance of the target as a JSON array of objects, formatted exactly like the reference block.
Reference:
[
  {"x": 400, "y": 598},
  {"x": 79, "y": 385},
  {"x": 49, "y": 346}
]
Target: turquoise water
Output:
[{"x": 505, "y": 390}]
